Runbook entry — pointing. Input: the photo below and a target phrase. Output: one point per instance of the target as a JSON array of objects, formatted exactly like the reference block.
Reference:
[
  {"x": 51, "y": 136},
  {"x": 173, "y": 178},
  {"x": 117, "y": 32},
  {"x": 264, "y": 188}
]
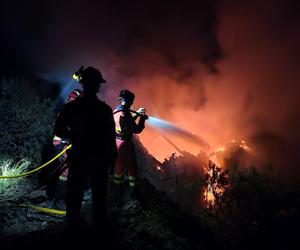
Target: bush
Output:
[
  {"x": 25, "y": 128},
  {"x": 255, "y": 207},
  {"x": 25, "y": 121},
  {"x": 11, "y": 188}
]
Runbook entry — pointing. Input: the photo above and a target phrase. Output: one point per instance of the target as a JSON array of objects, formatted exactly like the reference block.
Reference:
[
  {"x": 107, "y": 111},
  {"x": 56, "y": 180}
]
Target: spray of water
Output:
[{"x": 169, "y": 128}]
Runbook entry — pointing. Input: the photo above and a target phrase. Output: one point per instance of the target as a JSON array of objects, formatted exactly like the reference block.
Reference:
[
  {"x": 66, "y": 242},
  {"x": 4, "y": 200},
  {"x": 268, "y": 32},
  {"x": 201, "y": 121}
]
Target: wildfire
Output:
[
  {"x": 218, "y": 155},
  {"x": 245, "y": 146},
  {"x": 209, "y": 197},
  {"x": 221, "y": 149},
  {"x": 215, "y": 177}
]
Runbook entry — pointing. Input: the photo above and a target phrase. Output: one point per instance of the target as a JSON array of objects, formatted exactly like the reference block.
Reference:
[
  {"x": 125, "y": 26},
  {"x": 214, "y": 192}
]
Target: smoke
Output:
[
  {"x": 259, "y": 79},
  {"x": 221, "y": 69},
  {"x": 252, "y": 93}
]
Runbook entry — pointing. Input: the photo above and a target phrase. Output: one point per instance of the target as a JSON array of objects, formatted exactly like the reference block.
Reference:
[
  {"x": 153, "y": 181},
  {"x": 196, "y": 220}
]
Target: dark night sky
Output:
[
  {"x": 220, "y": 68},
  {"x": 49, "y": 33}
]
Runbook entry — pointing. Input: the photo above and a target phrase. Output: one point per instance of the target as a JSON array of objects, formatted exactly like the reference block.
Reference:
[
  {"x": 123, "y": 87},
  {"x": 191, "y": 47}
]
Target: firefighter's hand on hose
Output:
[
  {"x": 144, "y": 117},
  {"x": 142, "y": 112}
]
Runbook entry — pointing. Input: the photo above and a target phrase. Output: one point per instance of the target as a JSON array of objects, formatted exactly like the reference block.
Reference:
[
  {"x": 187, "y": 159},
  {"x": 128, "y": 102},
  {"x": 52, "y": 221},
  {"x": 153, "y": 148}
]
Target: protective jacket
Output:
[
  {"x": 89, "y": 124},
  {"x": 125, "y": 123},
  {"x": 126, "y": 126}
]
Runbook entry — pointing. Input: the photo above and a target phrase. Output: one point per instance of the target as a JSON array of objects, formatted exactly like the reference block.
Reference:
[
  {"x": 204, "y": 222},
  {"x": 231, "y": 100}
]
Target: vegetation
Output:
[
  {"x": 25, "y": 128},
  {"x": 10, "y": 188},
  {"x": 25, "y": 121},
  {"x": 257, "y": 209},
  {"x": 252, "y": 207}
]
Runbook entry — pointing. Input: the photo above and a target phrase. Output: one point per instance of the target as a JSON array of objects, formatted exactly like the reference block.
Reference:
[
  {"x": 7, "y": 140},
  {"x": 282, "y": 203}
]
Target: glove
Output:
[
  {"x": 144, "y": 117},
  {"x": 141, "y": 111}
]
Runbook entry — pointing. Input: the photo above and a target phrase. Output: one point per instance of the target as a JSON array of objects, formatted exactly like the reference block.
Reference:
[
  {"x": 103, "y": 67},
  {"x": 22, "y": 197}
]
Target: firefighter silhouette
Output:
[
  {"x": 88, "y": 123},
  {"x": 59, "y": 144},
  {"x": 126, "y": 126}
]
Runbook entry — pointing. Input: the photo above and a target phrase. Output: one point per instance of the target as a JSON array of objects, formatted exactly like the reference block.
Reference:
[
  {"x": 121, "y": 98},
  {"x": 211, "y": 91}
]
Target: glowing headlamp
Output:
[
  {"x": 77, "y": 74},
  {"x": 76, "y": 77}
]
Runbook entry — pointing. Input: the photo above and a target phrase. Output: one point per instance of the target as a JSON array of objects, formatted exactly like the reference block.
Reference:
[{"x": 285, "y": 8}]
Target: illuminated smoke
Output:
[{"x": 220, "y": 70}]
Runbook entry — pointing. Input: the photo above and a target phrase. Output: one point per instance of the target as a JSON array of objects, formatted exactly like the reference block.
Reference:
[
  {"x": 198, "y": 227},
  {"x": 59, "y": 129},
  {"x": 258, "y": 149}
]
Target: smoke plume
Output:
[{"x": 223, "y": 70}]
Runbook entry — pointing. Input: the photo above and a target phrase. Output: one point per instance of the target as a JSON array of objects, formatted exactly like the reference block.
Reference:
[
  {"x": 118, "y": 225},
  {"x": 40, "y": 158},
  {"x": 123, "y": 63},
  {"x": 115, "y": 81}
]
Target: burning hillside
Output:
[
  {"x": 219, "y": 81},
  {"x": 231, "y": 205},
  {"x": 192, "y": 181}
]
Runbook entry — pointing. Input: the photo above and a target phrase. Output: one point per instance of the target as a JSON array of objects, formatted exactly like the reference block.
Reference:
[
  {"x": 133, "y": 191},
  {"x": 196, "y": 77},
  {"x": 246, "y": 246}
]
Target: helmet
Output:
[
  {"x": 88, "y": 74},
  {"x": 74, "y": 94},
  {"x": 126, "y": 96}
]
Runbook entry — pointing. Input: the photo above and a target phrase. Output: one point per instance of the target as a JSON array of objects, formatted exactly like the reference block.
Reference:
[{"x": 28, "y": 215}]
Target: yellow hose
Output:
[
  {"x": 37, "y": 169},
  {"x": 43, "y": 209}
]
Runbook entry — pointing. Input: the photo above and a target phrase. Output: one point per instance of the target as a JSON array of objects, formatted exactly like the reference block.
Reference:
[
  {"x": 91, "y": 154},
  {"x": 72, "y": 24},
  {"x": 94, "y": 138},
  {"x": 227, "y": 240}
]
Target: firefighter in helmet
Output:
[
  {"x": 126, "y": 126},
  {"x": 59, "y": 144},
  {"x": 88, "y": 122}
]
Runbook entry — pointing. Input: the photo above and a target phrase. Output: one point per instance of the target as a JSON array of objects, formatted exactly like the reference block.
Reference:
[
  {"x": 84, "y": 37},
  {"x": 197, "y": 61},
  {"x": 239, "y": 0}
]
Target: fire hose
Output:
[
  {"x": 132, "y": 111},
  {"x": 34, "y": 207},
  {"x": 38, "y": 168},
  {"x": 43, "y": 209},
  {"x": 60, "y": 168},
  {"x": 52, "y": 160},
  {"x": 38, "y": 208}
]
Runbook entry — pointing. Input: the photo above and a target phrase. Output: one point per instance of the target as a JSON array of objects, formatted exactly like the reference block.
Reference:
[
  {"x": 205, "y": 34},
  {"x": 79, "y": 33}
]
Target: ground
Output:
[{"x": 150, "y": 221}]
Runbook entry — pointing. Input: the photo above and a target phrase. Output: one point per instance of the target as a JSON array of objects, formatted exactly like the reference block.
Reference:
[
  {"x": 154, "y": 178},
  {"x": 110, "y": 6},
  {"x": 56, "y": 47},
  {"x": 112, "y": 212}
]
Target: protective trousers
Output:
[
  {"x": 81, "y": 170},
  {"x": 125, "y": 163}
]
